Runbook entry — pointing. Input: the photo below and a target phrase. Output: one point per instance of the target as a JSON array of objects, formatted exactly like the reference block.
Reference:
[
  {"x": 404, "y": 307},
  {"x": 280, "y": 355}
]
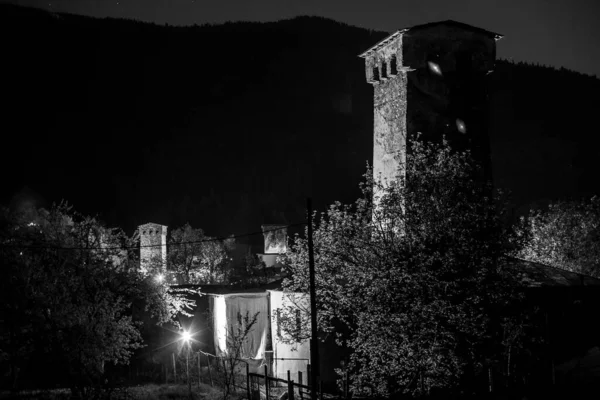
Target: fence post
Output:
[
  {"x": 300, "y": 382},
  {"x": 266, "y": 384},
  {"x": 308, "y": 375},
  {"x": 346, "y": 384},
  {"x": 199, "y": 370},
  {"x": 174, "y": 369},
  {"x": 290, "y": 386},
  {"x": 248, "y": 381},
  {"x": 209, "y": 373},
  {"x": 225, "y": 380},
  {"x": 320, "y": 389}
]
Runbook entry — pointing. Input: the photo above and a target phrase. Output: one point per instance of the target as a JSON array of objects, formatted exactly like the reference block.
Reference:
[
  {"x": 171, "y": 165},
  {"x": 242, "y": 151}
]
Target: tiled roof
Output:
[
  {"x": 453, "y": 23},
  {"x": 429, "y": 25},
  {"x": 534, "y": 274}
]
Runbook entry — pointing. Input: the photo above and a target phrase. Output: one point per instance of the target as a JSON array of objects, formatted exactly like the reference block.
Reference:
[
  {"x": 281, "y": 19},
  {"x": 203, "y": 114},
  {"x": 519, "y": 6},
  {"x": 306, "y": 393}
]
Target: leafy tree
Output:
[
  {"x": 69, "y": 291},
  {"x": 237, "y": 337},
  {"x": 198, "y": 259},
  {"x": 414, "y": 287},
  {"x": 566, "y": 235},
  {"x": 252, "y": 272}
]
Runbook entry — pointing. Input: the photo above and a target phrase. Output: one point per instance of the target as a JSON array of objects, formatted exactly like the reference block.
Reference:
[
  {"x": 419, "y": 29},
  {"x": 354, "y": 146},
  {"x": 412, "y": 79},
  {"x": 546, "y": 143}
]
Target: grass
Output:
[
  {"x": 140, "y": 392},
  {"x": 173, "y": 392}
]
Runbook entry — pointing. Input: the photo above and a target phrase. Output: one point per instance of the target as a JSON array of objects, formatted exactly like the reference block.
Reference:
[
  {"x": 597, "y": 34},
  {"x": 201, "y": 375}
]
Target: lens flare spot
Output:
[
  {"x": 460, "y": 125},
  {"x": 435, "y": 68}
]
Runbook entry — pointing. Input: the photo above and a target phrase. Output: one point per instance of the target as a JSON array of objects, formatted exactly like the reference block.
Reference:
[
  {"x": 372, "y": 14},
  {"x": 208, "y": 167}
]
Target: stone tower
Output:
[
  {"x": 275, "y": 243},
  {"x": 153, "y": 246},
  {"x": 431, "y": 79}
]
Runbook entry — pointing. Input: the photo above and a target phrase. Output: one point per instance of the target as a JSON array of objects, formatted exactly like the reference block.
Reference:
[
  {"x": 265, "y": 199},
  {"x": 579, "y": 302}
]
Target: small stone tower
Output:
[
  {"x": 153, "y": 246},
  {"x": 431, "y": 79},
  {"x": 275, "y": 243}
]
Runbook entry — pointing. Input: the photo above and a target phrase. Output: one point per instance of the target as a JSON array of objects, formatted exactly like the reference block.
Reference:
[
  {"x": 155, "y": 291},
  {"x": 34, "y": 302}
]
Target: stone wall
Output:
[
  {"x": 431, "y": 81},
  {"x": 153, "y": 246}
]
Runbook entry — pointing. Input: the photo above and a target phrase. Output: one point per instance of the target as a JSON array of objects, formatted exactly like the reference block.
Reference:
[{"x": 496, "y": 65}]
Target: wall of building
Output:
[{"x": 153, "y": 246}]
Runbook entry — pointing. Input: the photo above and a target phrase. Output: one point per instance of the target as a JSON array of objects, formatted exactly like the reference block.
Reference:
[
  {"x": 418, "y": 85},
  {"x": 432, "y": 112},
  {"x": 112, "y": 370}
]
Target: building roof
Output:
[
  {"x": 534, "y": 274},
  {"x": 449, "y": 22},
  {"x": 151, "y": 225},
  {"x": 218, "y": 289}
]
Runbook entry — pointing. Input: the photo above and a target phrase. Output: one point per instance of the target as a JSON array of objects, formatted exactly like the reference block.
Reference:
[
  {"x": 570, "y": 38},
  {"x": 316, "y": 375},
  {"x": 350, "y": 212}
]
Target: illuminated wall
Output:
[
  {"x": 275, "y": 238},
  {"x": 153, "y": 246}
]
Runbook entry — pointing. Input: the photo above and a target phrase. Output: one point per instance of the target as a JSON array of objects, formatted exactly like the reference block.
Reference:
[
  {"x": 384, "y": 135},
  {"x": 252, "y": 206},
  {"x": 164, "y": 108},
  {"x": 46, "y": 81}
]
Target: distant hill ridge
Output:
[{"x": 233, "y": 125}]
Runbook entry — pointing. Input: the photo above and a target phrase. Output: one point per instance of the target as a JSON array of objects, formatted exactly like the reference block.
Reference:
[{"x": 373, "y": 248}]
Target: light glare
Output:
[
  {"x": 460, "y": 125},
  {"x": 435, "y": 68}
]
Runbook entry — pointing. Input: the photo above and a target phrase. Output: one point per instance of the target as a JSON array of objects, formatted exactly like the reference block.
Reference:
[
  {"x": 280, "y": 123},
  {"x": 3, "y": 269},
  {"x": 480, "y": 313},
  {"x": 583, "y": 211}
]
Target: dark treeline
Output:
[{"x": 234, "y": 125}]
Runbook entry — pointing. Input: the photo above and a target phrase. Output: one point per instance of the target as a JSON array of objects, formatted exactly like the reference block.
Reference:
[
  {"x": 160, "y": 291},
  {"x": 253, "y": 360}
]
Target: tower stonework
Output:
[
  {"x": 275, "y": 243},
  {"x": 429, "y": 79},
  {"x": 153, "y": 246}
]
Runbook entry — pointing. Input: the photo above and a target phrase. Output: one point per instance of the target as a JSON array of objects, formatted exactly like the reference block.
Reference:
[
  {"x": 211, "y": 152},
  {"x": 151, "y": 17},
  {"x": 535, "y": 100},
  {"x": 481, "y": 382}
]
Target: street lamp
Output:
[
  {"x": 160, "y": 278},
  {"x": 186, "y": 336}
]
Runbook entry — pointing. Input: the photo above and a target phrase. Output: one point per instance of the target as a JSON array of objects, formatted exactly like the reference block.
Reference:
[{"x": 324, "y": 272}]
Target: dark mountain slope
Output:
[{"x": 230, "y": 126}]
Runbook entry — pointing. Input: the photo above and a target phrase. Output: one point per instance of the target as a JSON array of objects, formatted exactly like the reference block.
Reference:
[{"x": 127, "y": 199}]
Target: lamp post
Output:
[{"x": 186, "y": 336}]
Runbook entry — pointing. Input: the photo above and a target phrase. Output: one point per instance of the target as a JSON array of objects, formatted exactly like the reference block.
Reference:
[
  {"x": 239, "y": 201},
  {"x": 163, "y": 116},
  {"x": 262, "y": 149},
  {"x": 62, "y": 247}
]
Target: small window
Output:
[
  {"x": 298, "y": 323},
  {"x": 376, "y": 74},
  {"x": 278, "y": 323},
  {"x": 393, "y": 65},
  {"x": 384, "y": 73}
]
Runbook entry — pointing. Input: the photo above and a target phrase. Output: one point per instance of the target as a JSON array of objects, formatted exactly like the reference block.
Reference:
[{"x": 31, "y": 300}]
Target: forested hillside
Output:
[{"x": 234, "y": 125}]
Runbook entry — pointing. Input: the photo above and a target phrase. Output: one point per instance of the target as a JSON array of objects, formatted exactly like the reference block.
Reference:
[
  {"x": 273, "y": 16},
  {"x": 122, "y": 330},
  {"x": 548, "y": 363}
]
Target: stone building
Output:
[
  {"x": 275, "y": 244},
  {"x": 430, "y": 79},
  {"x": 153, "y": 246}
]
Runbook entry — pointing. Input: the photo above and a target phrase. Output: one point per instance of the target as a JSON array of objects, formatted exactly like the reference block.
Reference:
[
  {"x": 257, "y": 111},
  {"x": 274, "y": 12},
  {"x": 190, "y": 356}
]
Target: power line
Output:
[{"x": 218, "y": 239}]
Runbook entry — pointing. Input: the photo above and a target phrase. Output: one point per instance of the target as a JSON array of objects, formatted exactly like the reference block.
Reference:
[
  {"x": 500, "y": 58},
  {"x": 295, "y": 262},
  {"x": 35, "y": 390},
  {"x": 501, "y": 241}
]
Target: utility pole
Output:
[{"x": 314, "y": 343}]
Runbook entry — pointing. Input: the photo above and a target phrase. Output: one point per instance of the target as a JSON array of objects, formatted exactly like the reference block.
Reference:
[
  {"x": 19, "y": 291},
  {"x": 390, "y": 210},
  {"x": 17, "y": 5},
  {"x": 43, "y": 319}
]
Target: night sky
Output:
[
  {"x": 550, "y": 32},
  {"x": 556, "y": 33}
]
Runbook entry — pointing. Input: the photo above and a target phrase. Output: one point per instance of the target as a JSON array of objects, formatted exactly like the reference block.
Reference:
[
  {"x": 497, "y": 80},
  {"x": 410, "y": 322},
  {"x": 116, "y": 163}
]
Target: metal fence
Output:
[{"x": 263, "y": 386}]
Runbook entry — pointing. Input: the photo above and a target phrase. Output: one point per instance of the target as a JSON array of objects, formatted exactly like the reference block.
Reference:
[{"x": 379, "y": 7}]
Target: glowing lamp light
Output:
[
  {"x": 186, "y": 336},
  {"x": 160, "y": 278}
]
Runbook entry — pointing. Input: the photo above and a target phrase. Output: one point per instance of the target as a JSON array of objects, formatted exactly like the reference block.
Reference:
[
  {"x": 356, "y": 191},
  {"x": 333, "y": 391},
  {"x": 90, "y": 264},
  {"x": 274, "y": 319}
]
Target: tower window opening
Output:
[
  {"x": 384, "y": 73},
  {"x": 376, "y": 74},
  {"x": 393, "y": 65},
  {"x": 279, "y": 323}
]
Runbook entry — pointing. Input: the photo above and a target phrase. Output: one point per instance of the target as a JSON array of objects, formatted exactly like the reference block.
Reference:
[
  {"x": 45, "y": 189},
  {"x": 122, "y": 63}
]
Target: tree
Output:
[
  {"x": 252, "y": 272},
  {"x": 237, "y": 336},
  {"x": 414, "y": 287},
  {"x": 198, "y": 259},
  {"x": 69, "y": 289},
  {"x": 566, "y": 235}
]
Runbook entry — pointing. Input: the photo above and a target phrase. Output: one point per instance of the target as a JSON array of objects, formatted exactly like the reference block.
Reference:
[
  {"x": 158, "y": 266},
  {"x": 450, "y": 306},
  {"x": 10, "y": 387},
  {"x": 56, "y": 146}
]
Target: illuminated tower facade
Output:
[
  {"x": 153, "y": 247},
  {"x": 275, "y": 243},
  {"x": 430, "y": 79}
]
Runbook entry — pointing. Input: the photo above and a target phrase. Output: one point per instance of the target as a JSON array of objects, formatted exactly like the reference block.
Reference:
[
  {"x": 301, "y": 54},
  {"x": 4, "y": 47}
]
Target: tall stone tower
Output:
[
  {"x": 153, "y": 246},
  {"x": 431, "y": 79}
]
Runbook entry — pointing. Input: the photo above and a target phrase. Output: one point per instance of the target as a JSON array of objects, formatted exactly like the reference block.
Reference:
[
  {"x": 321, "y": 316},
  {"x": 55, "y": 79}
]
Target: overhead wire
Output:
[{"x": 217, "y": 239}]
